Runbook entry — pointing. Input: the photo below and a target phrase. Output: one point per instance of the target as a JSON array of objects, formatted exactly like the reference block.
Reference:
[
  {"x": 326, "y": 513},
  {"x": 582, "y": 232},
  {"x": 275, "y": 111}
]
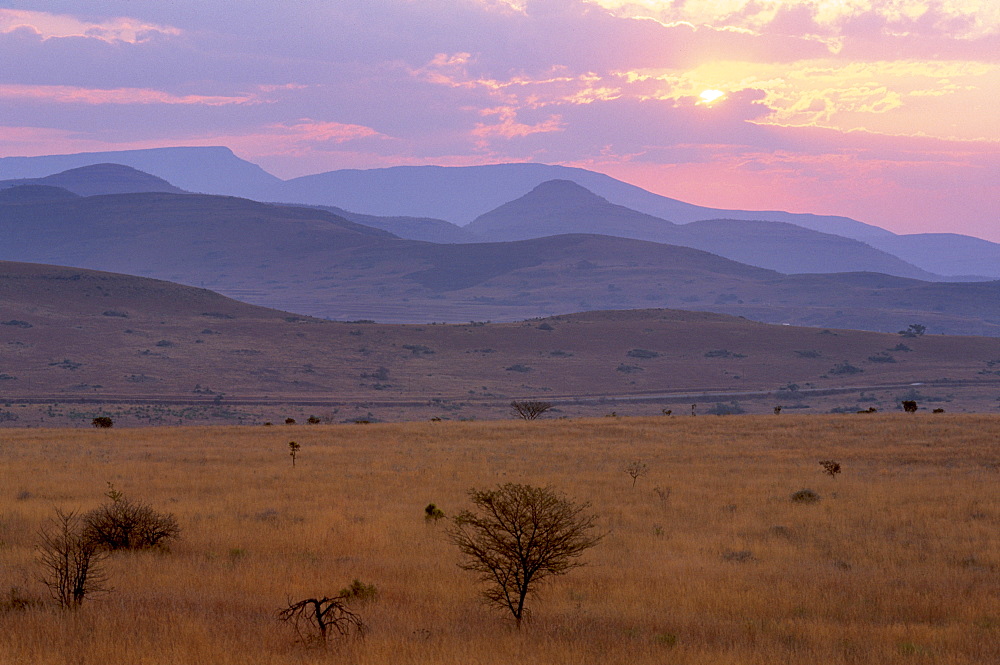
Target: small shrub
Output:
[
  {"x": 123, "y": 524},
  {"x": 313, "y": 420},
  {"x": 103, "y": 422},
  {"x": 359, "y": 591},
  {"x": 845, "y": 368},
  {"x": 739, "y": 556},
  {"x": 882, "y": 357},
  {"x": 805, "y": 496},
  {"x": 518, "y": 368},
  {"x": 808, "y": 353},
  {"x": 432, "y": 513},
  {"x": 289, "y": 421},
  {"x": 723, "y": 353},
  {"x": 628, "y": 369},
  {"x": 830, "y": 467},
  {"x": 909, "y": 405},
  {"x": 642, "y": 353}
]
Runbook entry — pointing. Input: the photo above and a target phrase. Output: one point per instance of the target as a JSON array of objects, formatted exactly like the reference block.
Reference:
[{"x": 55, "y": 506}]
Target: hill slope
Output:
[{"x": 70, "y": 334}]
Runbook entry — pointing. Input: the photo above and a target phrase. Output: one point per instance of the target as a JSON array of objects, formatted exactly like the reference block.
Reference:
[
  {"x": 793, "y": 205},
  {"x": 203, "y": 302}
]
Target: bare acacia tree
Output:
[
  {"x": 529, "y": 409},
  {"x": 519, "y": 535},
  {"x": 325, "y": 614},
  {"x": 636, "y": 469},
  {"x": 70, "y": 561}
]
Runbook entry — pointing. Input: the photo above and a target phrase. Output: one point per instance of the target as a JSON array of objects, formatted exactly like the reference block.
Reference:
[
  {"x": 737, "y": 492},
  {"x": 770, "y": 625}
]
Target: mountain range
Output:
[
  {"x": 314, "y": 262},
  {"x": 430, "y": 202}
]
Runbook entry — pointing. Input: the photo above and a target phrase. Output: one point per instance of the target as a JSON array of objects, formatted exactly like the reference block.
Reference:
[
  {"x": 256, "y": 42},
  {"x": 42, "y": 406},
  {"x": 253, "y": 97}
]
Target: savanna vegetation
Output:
[{"x": 706, "y": 560}]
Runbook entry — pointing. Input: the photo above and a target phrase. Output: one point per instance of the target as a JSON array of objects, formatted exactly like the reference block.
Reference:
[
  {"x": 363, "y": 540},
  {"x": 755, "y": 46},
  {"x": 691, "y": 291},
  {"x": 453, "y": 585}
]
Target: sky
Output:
[{"x": 887, "y": 111}]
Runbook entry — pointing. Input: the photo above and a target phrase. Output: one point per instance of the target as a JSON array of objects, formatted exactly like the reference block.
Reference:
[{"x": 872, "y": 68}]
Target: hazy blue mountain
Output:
[
  {"x": 461, "y": 194},
  {"x": 311, "y": 261},
  {"x": 945, "y": 253},
  {"x": 99, "y": 179},
  {"x": 212, "y": 170},
  {"x": 562, "y": 206},
  {"x": 411, "y": 228},
  {"x": 22, "y": 194}
]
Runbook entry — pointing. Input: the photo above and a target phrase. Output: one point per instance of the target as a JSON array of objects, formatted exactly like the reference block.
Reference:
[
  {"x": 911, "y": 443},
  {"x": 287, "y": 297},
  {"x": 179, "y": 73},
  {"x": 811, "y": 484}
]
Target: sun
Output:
[{"x": 709, "y": 96}]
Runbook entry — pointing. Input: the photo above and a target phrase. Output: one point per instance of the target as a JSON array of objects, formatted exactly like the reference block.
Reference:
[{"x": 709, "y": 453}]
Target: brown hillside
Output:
[{"x": 71, "y": 335}]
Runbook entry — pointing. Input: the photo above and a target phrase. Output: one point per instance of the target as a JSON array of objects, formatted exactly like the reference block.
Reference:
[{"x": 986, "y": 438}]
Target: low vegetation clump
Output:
[
  {"x": 805, "y": 496},
  {"x": 124, "y": 524}
]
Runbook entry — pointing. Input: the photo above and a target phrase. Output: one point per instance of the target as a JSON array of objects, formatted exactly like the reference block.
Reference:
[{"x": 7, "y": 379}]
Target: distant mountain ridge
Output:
[
  {"x": 95, "y": 179},
  {"x": 460, "y": 194},
  {"x": 313, "y": 262},
  {"x": 563, "y": 206}
]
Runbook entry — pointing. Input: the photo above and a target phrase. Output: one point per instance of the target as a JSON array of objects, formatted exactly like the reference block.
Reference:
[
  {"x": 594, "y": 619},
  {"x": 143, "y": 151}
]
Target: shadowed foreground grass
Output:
[{"x": 706, "y": 560}]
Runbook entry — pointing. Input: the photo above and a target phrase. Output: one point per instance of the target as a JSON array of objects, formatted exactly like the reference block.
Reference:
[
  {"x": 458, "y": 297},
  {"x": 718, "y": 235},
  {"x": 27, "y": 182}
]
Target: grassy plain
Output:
[{"x": 899, "y": 562}]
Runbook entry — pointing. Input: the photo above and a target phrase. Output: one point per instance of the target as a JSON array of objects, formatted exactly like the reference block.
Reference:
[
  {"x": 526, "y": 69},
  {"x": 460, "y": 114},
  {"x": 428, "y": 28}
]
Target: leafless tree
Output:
[
  {"x": 519, "y": 535},
  {"x": 636, "y": 469},
  {"x": 70, "y": 561},
  {"x": 529, "y": 409},
  {"x": 326, "y": 615}
]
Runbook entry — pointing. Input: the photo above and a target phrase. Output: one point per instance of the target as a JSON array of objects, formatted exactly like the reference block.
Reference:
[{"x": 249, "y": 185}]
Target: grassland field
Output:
[{"x": 706, "y": 560}]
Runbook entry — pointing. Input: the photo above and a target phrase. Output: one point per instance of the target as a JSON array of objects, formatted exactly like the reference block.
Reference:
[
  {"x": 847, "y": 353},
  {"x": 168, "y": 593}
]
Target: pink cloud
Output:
[
  {"x": 48, "y": 26},
  {"x": 64, "y": 94}
]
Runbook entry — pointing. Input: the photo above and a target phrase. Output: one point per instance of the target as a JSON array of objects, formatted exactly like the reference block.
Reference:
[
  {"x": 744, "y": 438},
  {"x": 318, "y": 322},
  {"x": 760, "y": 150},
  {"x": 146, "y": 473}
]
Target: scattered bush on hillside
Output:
[
  {"x": 805, "y": 496},
  {"x": 628, "y": 369},
  {"x": 124, "y": 524},
  {"x": 112, "y": 312},
  {"x": 313, "y": 420},
  {"x": 913, "y": 330},
  {"x": 418, "y": 349},
  {"x": 909, "y": 405},
  {"x": 723, "y": 353},
  {"x": 882, "y": 357},
  {"x": 808, "y": 353},
  {"x": 103, "y": 422},
  {"x": 845, "y": 368},
  {"x": 518, "y": 368},
  {"x": 642, "y": 353}
]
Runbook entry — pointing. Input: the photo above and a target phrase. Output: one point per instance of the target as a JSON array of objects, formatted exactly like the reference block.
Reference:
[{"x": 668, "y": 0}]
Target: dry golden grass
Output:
[{"x": 898, "y": 563}]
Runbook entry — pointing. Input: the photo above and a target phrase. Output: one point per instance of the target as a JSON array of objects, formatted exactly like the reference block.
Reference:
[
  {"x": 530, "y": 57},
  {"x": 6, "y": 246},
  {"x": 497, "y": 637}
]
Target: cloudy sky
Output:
[{"x": 887, "y": 111}]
